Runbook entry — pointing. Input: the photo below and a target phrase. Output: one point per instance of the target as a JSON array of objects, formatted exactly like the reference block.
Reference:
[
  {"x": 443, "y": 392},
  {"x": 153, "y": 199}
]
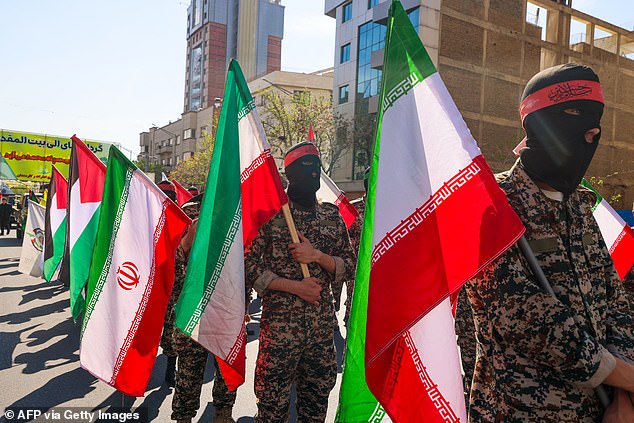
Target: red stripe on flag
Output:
[
  {"x": 61, "y": 189},
  {"x": 425, "y": 261},
  {"x": 233, "y": 371},
  {"x": 92, "y": 173},
  {"x": 182, "y": 194},
  {"x": 622, "y": 252},
  {"x": 262, "y": 195},
  {"x": 406, "y": 390},
  {"x": 134, "y": 373},
  {"x": 347, "y": 210}
]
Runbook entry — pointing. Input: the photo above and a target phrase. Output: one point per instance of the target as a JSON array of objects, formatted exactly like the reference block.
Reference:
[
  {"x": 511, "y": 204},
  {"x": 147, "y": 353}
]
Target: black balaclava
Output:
[
  {"x": 168, "y": 188},
  {"x": 303, "y": 169},
  {"x": 556, "y": 152}
]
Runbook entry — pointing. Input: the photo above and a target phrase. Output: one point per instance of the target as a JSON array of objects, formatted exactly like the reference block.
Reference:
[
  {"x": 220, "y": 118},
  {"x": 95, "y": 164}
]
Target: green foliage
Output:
[
  {"x": 287, "y": 118},
  {"x": 615, "y": 198},
  {"x": 194, "y": 170}
]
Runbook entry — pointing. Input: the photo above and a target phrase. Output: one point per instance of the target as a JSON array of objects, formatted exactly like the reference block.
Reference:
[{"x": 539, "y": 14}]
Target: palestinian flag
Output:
[
  {"x": 418, "y": 245},
  {"x": 86, "y": 178},
  {"x": 182, "y": 195},
  {"x": 131, "y": 277},
  {"x": 618, "y": 236},
  {"x": 55, "y": 226},
  {"x": 329, "y": 192},
  {"x": 243, "y": 191}
]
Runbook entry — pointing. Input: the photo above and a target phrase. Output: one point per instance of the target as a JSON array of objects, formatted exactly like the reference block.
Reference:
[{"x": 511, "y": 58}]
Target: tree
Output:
[
  {"x": 194, "y": 170},
  {"x": 363, "y": 128},
  {"x": 287, "y": 117}
]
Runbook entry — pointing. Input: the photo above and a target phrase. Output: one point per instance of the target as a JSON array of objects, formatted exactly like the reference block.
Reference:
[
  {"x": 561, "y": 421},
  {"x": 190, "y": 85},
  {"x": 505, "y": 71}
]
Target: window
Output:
[
  {"x": 169, "y": 141},
  {"x": 345, "y": 53},
  {"x": 372, "y": 3},
  {"x": 343, "y": 94},
  {"x": 189, "y": 133},
  {"x": 178, "y": 140},
  {"x": 169, "y": 161},
  {"x": 346, "y": 12}
]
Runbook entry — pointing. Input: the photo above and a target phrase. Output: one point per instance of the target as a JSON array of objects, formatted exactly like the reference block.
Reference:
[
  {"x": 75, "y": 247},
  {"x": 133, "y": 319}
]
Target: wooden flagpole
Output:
[{"x": 294, "y": 237}]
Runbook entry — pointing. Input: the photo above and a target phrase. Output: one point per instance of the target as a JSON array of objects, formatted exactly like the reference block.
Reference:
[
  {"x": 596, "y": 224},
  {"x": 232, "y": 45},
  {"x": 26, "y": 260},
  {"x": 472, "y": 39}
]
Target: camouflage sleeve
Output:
[
  {"x": 343, "y": 254},
  {"x": 620, "y": 322},
  {"x": 525, "y": 321},
  {"x": 258, "y": 275}
]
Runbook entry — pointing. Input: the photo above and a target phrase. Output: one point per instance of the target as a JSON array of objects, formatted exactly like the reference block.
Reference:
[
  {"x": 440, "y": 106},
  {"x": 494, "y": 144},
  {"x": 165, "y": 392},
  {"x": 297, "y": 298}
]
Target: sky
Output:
[{"x": 109, "y": 69}]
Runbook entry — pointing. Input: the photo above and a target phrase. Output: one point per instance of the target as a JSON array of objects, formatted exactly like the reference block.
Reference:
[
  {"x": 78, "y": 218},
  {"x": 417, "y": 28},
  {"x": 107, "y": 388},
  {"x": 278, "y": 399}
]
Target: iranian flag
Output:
[
  {"x": 86, "y": 179},
  {"x": 55, "y": 225},
  {"x": 182, "y": 195},
  {"x": 434, "y": 217},
  {"x": 130, "y": 278},
  {"x": 329, "y": 192},
  {"x": 618, "y": 236},
  {"x": 243, "y": 191}
]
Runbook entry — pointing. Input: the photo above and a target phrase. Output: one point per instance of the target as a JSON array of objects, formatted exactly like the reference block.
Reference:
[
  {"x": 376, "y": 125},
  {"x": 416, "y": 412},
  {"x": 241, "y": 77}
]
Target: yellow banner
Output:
[{"x": 29, "y": 157}]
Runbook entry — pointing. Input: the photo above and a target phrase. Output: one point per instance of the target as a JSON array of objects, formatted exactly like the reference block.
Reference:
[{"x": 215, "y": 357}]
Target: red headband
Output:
[
  {"x": 560, "y": 93},
  {"x": 302, "y": 151}
]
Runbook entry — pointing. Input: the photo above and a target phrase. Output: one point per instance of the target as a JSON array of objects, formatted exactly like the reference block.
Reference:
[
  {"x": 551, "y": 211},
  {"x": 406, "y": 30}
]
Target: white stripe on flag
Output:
[
  {"x": 610, "y": 222},
  {"x": 220, "y": 317},
  {"x": 428, "y": 112},
  {"x": 81, "y": 213}
]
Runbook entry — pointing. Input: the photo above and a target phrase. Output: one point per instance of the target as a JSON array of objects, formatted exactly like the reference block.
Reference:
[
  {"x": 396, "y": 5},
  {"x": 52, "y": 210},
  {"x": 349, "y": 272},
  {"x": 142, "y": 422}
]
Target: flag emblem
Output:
[
  {"x": 38, "y": 239},
  {"x": 128, "y": 275}
]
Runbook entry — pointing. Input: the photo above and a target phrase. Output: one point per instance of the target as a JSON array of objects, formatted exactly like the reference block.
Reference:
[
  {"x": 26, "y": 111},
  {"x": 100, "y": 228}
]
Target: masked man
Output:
[
  {"x": 539, "y": 358},
  {"x": 298, "y": 318}
]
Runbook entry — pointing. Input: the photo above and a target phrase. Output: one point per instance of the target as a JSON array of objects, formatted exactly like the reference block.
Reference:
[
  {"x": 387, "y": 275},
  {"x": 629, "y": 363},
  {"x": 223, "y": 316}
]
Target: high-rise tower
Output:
[{"x": 218, "y": 30}]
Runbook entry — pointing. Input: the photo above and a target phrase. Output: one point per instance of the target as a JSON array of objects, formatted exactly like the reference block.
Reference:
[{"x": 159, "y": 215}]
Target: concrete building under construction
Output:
[{"x": 485, "y": 51}]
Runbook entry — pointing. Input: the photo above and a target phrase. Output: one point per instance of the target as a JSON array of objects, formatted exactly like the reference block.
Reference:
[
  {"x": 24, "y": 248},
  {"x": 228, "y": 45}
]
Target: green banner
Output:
[{"x": 28, "y": 156}]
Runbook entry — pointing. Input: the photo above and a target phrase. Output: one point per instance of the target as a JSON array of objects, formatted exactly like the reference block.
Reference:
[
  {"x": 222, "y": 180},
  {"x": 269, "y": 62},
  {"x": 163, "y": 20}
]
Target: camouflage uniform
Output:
[
  {"x": 167, "y": 340},
  {"x": 465, "y": 330},
  {"x": 296, "y": 338},
  {"x": 628, "y": 287},
  {"x": 192, "y": 357},
  {"x": 539, "y": 358},
  {"x": 355, "y": 239}
]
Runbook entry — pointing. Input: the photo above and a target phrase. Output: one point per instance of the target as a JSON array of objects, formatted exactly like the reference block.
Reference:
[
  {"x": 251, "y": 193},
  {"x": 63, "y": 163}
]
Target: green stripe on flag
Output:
[
  {"x": 409, "y": 62},
  {"x": 59, "y": 240},
  {"x": 221, "y": 211},
  {"x": 80, "y": 258},
  {"x": 115, "y": 195},
  {"x": 586, "y": 184}
]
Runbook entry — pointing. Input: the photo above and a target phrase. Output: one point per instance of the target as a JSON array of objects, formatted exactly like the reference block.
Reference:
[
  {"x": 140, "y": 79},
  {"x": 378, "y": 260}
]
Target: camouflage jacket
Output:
[
  {"x": 192, "y": 210},
  {"x": 628, "y": 285},
  {"x": 539, "y": 358},
  {"x": 357, "y": 225},
  {"x": 269, "y": 257}
]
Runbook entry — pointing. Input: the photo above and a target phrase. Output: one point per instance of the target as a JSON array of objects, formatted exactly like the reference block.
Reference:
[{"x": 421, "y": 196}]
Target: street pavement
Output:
[{"x": 39, "y": 355}]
